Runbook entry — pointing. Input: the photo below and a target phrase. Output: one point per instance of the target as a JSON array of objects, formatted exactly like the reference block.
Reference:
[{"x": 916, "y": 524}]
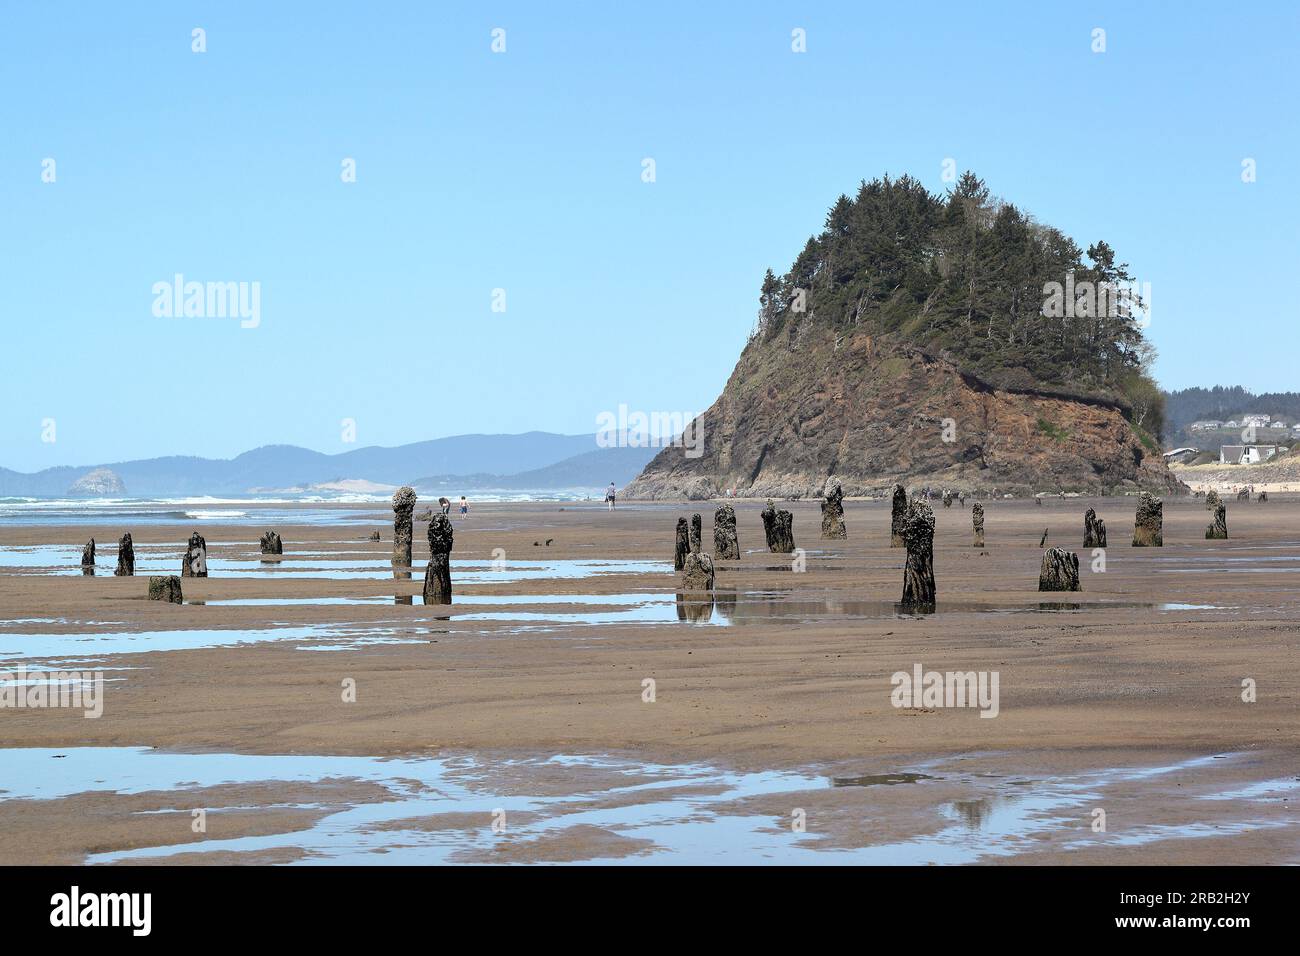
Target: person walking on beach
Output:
[
  {"x": 464, "y": 507},
  {"x": 445, "y": 505},
  {"x": 609, "y": 496}
]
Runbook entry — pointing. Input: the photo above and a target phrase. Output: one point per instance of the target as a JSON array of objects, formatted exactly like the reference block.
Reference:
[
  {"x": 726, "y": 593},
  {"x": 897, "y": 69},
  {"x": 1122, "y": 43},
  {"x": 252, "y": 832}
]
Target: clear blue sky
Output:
[{"x": 522, "y": 171}]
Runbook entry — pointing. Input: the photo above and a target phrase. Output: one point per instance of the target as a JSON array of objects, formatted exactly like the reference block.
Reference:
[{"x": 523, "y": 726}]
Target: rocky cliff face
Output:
[
  {"x": 871, "y": 412},
  {"x": 99, "y": 483}
]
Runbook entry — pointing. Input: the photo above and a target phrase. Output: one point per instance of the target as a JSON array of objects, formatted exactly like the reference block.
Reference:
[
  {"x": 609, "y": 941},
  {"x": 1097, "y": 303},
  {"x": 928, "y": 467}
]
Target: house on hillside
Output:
[
  {"x": 1259, "y": 421},
  {"x": 1245, "y": 454},
  {"x": 1205, "y": 426}
]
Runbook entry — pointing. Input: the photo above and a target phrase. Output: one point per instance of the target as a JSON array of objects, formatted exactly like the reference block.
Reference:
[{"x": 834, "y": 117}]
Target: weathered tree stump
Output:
[
  {"x": 918, "y": 571},
  {"x": 1094, "y": 530},
  {"x": 977, "y": 522},
  {"x": 1211, "y": 500},
  {"x": 1243, "y": 495},
  {"x": 833, "y": 511},
  {"x": 725, "y": 544},
  {"x": 1148, "y": 526},
  {"x": 947, "y": 499},
  {"x": 683, "y": 544},
  {"x": 697, "y": 574},
  {"x": 1059, "y": 571},
  {"x": 898, "y": 514},
  {"x": 166, "y": 587},
  {"x": 195, "y": 563},
  {"x": 1263, "y": 496},
  {"x": 697, "y": 532},
  {"x": 374, "y": 536},
  {"x": 271, "y": 543},
  {"x": 88, "y": 557},
  {"x": 403, "y": 509},
  {"x": 778, "y": 528},
  {"x": 1219, "y": 526},
  {"x": 437, "y": 577},
  {"x": 125, "y": 557}
]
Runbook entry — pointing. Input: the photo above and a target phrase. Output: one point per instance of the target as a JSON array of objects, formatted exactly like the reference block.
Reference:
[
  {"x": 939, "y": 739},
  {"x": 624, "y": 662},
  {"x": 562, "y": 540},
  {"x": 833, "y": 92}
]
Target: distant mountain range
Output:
[{"x": 533, "y": 460}]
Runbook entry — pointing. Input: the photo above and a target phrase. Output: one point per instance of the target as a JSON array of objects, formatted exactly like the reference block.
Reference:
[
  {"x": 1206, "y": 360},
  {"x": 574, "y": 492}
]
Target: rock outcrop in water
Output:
[
  {"x": 897, "y": 515},
  {"x": 1059, "y": 571},
  {"x": 125, "y": 557},
  {"x": 1094, "y": 530},
  {"x": 88, "y": 558},
  {"x": 833, "y": 511},
  {"x": 918, "y": 570},
  {"x": 682, "y": 546},
  {"x": 726, "y": 546},
  {"x": 437, "y": 578},
  {"x": 165, "y": 587},
  {"x": 99, "y": 483},
  {"x": 195, "y": 564},
  {"x": 697, "y": 574},
  {"x": 403, "y": 510},
  {"x": 1218, "y": 528},
  {"x": 1149, "y": 523},
  {"x": 778, "y": 528},
  {"x": 977, "y": 522},
  {"x": 271, "y": 543}
]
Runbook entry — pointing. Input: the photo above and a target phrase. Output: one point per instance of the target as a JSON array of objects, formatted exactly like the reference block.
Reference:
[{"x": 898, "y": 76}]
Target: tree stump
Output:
[
  {"x": 1059, "y": 571},
  {"x": 403, "y": 509},
  {"x": 898, "y": 514},
  {"x": 683, "y": 547},
  {"x": 1148, "y": 526},
  {"x": 1263, "y": 496},
  {"x": 1243, "y": 495},
  {"x": 271, "y": 543},
  {"x": 1219, "y": 526},
  {"x": 88, "y": 558},
  {"x": 1211, "y": 500},
  {"x": 165, "y": 587},
  {"x": 374, "y": 536},
  {"x": 697, "y": 532},
  {"x": 725, "y": 544},
  {"x": 1094, "y": 530},
  {"x": 918, "y": 571},
  {"x": 833, "y": 511},
  {"x": 778, "y": 528},
  {"x": 947, "y": 499},
  {"x": 437, "y": 577},
  {"x": 697, "y": 574},
  {"x": 195, "y": 564},
  {"x": 125, "y": 557},
  {"x": 977, "y": 522}
]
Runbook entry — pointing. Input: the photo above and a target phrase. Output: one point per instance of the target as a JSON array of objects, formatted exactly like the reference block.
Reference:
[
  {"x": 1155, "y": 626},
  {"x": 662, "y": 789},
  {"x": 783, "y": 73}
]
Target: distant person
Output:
[
  {"x": 445, "y": 505},
  {"x": 464, "y": 507},
  {"x": 609, "y": 496}
]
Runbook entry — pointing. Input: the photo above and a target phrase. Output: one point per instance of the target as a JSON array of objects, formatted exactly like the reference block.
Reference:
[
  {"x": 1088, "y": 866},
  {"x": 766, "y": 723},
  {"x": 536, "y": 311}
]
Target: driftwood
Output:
[{"x": 1059, "y": 571}]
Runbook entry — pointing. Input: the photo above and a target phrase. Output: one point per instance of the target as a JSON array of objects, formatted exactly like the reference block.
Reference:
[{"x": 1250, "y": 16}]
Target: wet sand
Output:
[{"x": 791, "y": 673}]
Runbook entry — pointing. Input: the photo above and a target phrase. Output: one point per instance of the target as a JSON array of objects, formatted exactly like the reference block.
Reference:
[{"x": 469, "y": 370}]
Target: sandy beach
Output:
[{"x": 528, "y": 694}]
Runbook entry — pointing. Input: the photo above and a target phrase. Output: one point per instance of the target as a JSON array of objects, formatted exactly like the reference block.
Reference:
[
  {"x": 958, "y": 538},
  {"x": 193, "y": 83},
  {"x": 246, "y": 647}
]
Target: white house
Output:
[
  {"x": 1245, "y": 454},
  {"x": 1259, "y": 421}
]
